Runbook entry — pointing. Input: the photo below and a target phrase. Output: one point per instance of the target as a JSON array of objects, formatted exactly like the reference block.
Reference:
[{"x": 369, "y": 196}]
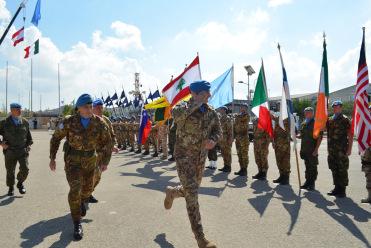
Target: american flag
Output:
[{"x": 361, "y": 120}]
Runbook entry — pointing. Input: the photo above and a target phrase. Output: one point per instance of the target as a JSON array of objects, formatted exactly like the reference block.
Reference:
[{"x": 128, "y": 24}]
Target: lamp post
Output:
[{"x": 250, "y": 71}]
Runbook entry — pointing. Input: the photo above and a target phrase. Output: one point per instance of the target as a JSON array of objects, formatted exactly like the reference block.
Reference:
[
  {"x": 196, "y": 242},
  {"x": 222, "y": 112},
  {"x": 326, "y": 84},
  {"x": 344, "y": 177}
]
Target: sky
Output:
[{"x": 99, "y": 45}]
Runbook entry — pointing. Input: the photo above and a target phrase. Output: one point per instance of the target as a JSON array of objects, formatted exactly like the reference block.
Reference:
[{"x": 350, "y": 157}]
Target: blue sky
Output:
[{"x": 157, "y": 38}]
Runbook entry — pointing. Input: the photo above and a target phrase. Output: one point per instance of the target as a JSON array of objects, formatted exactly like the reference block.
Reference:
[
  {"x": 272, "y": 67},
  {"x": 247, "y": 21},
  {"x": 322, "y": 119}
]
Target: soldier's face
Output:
[
  {"x": 308, "y": 114},
  {"x": 86, "y": 111},
  {"x": 337, "y": 109},
  {"x": 243, "y": 110},
  {"x": 15, "y": 112},
  {"x": 98, "y": 110},
  {"x": 202, "y": 97}
]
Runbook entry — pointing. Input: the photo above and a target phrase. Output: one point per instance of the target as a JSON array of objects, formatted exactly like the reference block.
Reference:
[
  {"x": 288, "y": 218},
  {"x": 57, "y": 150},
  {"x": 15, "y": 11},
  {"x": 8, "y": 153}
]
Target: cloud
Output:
[
  {"x": 4, "y": 13},
  {"x": 276, "y": 3}
]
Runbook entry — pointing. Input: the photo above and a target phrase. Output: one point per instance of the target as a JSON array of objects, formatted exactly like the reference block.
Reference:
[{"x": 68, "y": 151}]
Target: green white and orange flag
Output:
[
  {"x": 260, "y": 106},
  {"x": 322, "y": 98}
]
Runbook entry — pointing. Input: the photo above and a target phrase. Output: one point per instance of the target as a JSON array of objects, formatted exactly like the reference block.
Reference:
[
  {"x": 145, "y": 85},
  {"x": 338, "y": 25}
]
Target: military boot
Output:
[
  {"x": 138, "y": 151},
  {"x": 92, "y": 199},
  {"x": 132, "y": 149},
  {"x": 83, "y": 209},
  {"x": 367, "y": 199},
  {"x": 204, "y": 243},
  {"x": 11, "y": 191},
  {"x": 305, "y": 185},
  {"x": 155, "y": 155},
  {"x": 311, "y": 186},
  {"x": 21, "y": 188},
  {"x": 341, "y": 192},
  {"x": 262, "y": 175},
  {"x": 77, "y": 231},
  {"x": 334, "y": 192},
  {"x": 242, "y": 172},
  {"x": 285, "y": 180},
  {"x": 169, "y": 198},
  {"x": 226, "y": 169},
  {"x": 171, "y": 158},
  {"x": 146, "y": 153},
  {"x": 278, "y": 180}
]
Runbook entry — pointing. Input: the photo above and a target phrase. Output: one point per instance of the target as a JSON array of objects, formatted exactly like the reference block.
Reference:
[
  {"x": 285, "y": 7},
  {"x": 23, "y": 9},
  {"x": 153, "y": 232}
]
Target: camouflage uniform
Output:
[
  {"x": 261, "y": 148},
  {"x": 225, "y": 142},
  {"x": 172, "y": 137},
  {"x": 281, "y": 145},
  {"x": 337, "y": 144},
  {"x": 366, "y": 168},
  {"x": 162, "y": 134},
  {"x": 18, "y": 138},
  {"x": 194, "y": 128},
  {"x": 241, "y": 134},
  {"x": 308, "y": 146},
  {"x": 152, "y": 139},
  {"x": 131, "y": 128},
  {"x": 81, "y": 158}
]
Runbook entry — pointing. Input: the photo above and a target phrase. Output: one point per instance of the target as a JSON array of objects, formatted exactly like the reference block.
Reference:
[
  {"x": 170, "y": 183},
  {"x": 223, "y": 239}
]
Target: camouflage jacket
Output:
[
  {"x": 227, "y": 127},
  {"x": 241, "y": 125},
  {"x": 194, "y": 128},
  {"x": 337, "y": 133},
  {"x": 281, "y": 135},
  {"x": 110, "y": 129},
  {"x": 15, "y": 136},
  {"x": 308, "y": 142},
  {"x": 260, "y": 135},
  {"x": 95, "y": 138}
]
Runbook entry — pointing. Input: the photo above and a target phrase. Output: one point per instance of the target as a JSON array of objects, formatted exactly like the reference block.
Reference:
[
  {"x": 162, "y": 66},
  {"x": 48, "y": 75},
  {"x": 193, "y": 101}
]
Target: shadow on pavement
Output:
[
  {"x": 264, "y": 194},
  {"x": 346, "y": 207},
  {"x": 34, "y": 235},
  {"x": 162, "y": 242},
  {"x": 8, "y": 200}
]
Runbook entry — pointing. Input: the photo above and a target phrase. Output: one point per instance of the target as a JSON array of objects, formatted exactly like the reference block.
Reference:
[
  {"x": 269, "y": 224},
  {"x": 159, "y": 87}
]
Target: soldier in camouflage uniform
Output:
[
  {"x": 98, "y": 110},
  {"x": 16, "y": 145},
  {"x": 198, "y": 130},
  {"x": 172, "y": 139},
  {"x": 366, "y": 168},
  {"x": 309, "y": 149},
  {"x": 87, "y": 135},
  {"x": 261, "y": 150},
  {"x": 281, "y": 146},
  {"x": 225, "y": 143},
  {"x": 162, "y": 134},
  {"x": 131, "y": 129},
  {"x": 339, "y": 146},
  {"x": 241, "y": 135},
  {"x": 136, "y": 127}
]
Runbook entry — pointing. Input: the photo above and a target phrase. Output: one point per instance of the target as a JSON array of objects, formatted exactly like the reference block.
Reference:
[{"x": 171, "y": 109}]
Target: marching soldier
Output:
[
  {"x": 16, "y": 145},
  {"x": 226, "y": 141},
  {"x": 162, "y": 133},
  {"x": 241, "y": 134},
  {"x": 131, "y": 127},
  {"x": 261, "y": 150},
  {"x": 198, "y": 131},
  {"x": 309, "y": 149},
  {"x": 339, "y": 146},
  {"x": 87, "y": 135},
  {"x": 172, "y": 139}
]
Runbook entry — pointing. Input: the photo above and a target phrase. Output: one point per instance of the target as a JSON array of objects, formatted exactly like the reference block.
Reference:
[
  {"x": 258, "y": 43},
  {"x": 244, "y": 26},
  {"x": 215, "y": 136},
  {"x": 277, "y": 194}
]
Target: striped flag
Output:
[
  {"x": 287, "y": 109},
  {"x": 322, "y": 98},
  {"x": 18, "y": 36},
  {"x": 361, "y": 120}
]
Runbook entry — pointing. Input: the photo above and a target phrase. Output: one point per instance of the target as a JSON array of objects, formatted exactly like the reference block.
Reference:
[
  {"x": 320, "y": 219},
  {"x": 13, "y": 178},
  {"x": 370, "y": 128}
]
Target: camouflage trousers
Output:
[
  {"x": 282, "y": 152},
  {"x": 80, "y": 173},
  {"x": 338, "y": 163},
  {"x": 162, "y": 134},
  {"x": 132, "y": 140},
  {"x": 11, "y": 159},
  {"x": 261, "y": 155},
  {"x": 226, "y": 150},
  {"x": 242, "y": 146},
  {"x": 311, "y": 163},
  {"x": 366, "y": 168},
  {"x": 212, "y": 154},
  {"x": 97, "y": 176},
  {"x": 172, "y": 138},
  {"x": 190, "y": 171}
]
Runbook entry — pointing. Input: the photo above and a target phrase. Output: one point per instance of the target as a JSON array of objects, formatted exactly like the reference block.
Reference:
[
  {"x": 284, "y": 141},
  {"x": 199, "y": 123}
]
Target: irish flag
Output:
[
  {"x": 322, "y": 98},
  {"x": 260, "y": 105},
  {"x": 33, "y": 49},
  {"x": 178, "y": 88}
]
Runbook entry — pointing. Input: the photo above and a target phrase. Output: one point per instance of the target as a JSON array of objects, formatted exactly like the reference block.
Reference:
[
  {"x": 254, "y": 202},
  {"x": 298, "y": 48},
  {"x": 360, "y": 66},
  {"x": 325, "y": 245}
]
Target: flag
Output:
[
  {"x": 156, "y": 95},
  {"x": 118, "y": 103},
  {"x": 159, "y": 103},
  {"x": 178, "y": 88},
  {"x": 122, "y": 94},
  {"x": 18, "y": 36},
  {"x": 32, "y": 50},
  {"x": 114, "y": 97},
  {"x": 150, "y": 96},
  {"x": 260, "y": 106},
  {"x": 222, "y": 89},
  {"x": 287, "y": 109},
  {"x": 125, "y": 101},
  {"x": 361, "y": 121},
  {"x": 162, "y": 113},
  {"x": 108, "y": 99},
  {"x": 144, "y": 128},
  {"x": 322, "y": 98},
  {"x": 36, "y": 15}
]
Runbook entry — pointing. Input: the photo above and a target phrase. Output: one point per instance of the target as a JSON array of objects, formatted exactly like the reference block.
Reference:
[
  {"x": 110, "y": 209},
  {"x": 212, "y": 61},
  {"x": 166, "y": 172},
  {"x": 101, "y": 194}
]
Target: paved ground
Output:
[{"x": 236, "y": 213}]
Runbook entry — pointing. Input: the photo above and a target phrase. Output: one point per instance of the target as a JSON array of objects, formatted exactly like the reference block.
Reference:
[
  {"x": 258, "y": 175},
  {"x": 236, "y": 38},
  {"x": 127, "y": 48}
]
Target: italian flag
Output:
[
  {"x": 260, "y": 105},
  {"x": 322, "y": 98},
  {"x": 32, "y": 50},
  {"x": 178, "y": 88}
]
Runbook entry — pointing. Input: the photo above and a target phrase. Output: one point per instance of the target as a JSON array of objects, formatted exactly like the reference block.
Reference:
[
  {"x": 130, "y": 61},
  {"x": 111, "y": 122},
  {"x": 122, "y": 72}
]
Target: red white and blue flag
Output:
[
  {"x": 145, "y": 127},
  {"x": 18, "y": 36},
  {"x": 361, "y": 121}
]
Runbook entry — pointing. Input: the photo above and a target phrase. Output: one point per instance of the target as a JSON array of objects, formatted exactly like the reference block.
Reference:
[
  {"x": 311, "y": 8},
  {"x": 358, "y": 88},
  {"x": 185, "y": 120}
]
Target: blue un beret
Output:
[
  {"x": 84, "y": 99},
  {"x": 98, "y": 102},
  {"x": 15, "y": 105},
  {"x": 199, "y": 86},
  {"x": 337, "y": 103}
]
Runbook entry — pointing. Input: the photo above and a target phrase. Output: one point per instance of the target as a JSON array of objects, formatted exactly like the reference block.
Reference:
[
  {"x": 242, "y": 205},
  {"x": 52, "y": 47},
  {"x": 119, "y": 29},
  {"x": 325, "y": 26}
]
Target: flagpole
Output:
[
  {"x": 59, "y": 93},
  {"x": 6, "y": 88},
  {"x": 31, "y": 89}
]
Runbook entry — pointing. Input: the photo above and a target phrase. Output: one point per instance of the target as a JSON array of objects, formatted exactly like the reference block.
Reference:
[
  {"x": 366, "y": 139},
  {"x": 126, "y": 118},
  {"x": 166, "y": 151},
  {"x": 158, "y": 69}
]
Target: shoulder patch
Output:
[{"x": 61, "y": 125}]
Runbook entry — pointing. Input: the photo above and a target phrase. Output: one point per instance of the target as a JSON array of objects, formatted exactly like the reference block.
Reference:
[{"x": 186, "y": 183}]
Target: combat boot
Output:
[
  {"x": 11, "y": 191},
  {"x": 212, "y": 165},
  {"x": 262, "y": 175},
  {"x": 83, "y": 209},
  {"x": 305, "y": 185},
  {"x": 138, "y": 151},
  {"x": 226, "y": 169},
  {"x": 341, "y": 192},
  {"x": 311, "y": 186},
  {"x": 77, "y": 231},
  {"x": 242, "y": 172},
  {"x": 169, "y": 198},
  {"x": 333, "y": 192},
  {"x": 21, "y": 188},
  {"x": 131, "y": 150},
  {"x": 92, "y": 199},
  {"x": 278, "y": 180},
  {"x": 155, "y": 155},
  {"x": 204, "y": 243},
  {"x": 172, "y": 158},
  {"x": 367, "y": 199},
  {"x": 146, "y": 153},
  {"x": 285, "y": 180}
]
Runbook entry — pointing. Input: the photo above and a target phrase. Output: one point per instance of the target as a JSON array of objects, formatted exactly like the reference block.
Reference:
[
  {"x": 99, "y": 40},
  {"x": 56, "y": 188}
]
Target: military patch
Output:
[{"x": 61, "y": 126}]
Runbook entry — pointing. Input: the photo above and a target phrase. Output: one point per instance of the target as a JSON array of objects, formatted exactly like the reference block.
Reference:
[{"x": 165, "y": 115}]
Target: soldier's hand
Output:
[
  {"x": 52, "y": 165},
  {"x": 28, "y": 148},
  {"x": 5, "y": 146},
  {"x": 115, "y": 149},
  {"x": 315, "y": 153},
  {"x": 103, "y": 167},
  {"x": 210, "y": 144},
  {"x": 349, "y": 152}
]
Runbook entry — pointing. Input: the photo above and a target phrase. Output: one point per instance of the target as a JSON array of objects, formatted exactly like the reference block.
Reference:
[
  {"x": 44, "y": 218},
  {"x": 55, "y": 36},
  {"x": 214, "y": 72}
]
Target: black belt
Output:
[{"x": 81, "y": 153}]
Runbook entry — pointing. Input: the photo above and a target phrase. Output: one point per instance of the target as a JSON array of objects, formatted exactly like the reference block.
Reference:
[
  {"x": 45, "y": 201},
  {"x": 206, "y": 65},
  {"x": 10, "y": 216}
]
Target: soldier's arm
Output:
[
  {"x": 29, "y": 137},
  {"x": 112, "y": 133},
  {"x": 1, "y": 131},
  {"x": 104, "y": 148},
  {"x": 59, "y": 133},
  {"x": 216, "y": 131},
  {"x": 350, "y": 137}
]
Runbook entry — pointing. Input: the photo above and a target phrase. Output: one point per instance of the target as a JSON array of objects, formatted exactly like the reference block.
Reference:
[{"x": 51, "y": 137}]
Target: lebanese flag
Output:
[
  {"x": 18, "y": 36},
  {"x": 178, "y": 88},
  {"x": 33, "y": 49},
  {"x": 321, "y": 116},
  {"x": 260, "y": 106}
]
